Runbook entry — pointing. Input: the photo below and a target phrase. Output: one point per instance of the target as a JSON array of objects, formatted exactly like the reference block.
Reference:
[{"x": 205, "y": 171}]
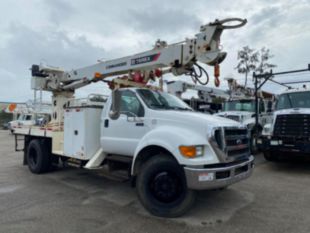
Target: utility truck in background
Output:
[
  {"x": 208, "y": 99},
  {"x": 28, "y": 114},
  {"x": 289, "y": 132},
  {"x": 170, "y": 151},
  {"x": 240, "y": 107}
]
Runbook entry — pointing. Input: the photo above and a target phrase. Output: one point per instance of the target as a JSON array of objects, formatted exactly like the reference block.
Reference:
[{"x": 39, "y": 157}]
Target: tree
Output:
[
  {"x": 248, "y": 58},
  {"x": 263, "y": 65},
  {"x": 253, "y": 60}
]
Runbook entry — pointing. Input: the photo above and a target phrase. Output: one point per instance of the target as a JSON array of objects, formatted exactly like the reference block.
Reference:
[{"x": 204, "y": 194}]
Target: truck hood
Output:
[
  {"x": 196, "y": 118},
  {"x": 235, "y": 113},
  {"x": 243, "y": 117},
  {"x": 291, "y": 111}
]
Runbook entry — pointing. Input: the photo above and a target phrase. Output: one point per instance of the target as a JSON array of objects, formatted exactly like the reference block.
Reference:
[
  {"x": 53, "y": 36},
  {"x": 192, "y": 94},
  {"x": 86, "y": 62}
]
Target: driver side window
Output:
[{"x": 130, "y": 104}]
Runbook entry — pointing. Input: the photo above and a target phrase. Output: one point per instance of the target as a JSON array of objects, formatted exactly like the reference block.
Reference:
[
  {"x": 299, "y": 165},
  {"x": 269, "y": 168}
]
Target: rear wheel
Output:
[
  {"x": 162, "y": 189},
  {"x": 38, "y": 156}
]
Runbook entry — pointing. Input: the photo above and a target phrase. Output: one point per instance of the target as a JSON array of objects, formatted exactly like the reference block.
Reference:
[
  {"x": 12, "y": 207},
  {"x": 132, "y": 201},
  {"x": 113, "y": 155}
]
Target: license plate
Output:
[
  {"x": 259, "y": 141},
  {"x": 206, "y": 176},
  {"x": 274, "y": 143}
]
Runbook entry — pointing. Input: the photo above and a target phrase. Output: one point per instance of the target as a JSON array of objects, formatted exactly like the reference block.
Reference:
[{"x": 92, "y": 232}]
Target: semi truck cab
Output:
[{"x": 289, "y": 131}]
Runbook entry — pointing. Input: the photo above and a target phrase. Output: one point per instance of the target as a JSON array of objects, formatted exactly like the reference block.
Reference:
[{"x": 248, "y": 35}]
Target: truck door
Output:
[{"x": 121, "y": 136}]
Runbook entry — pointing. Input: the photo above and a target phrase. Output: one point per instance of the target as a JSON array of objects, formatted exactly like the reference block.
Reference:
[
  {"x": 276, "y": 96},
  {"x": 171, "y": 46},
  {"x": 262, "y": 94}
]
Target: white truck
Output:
[
  {"x": 27, "y": 114},
  {"x": 169, "y": 150},
  {"x": 289, "y": 132},
  {"x": 240, "y": 107}
]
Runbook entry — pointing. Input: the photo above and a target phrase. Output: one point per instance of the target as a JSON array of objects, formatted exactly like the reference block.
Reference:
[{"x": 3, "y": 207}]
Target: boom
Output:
[{"x": 178, "y": 59}]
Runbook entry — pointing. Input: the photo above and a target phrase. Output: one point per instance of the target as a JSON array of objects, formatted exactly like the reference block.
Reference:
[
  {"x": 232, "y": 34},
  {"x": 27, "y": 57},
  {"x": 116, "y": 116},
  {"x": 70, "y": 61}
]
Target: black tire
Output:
[
  {"x": 270, "y": 156},
  {"x": 161, "y": 187},
  {"x": 38, "y": 156},
  {"x": 253, "y": 141}
]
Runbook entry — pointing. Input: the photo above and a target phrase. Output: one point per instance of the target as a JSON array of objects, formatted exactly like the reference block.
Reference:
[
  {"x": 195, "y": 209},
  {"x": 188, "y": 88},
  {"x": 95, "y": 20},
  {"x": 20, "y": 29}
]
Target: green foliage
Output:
[{"x": 5, "y": 117}]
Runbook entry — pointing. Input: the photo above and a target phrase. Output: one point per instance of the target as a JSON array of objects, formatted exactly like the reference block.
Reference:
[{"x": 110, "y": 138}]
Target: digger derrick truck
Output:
[{"x": 169, "y": 150}]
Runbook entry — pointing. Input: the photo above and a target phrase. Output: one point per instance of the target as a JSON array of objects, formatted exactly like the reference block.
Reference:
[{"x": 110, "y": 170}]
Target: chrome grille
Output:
[
  {"x": 233, "y": 142},
  {"x": 237, "y": 142}
]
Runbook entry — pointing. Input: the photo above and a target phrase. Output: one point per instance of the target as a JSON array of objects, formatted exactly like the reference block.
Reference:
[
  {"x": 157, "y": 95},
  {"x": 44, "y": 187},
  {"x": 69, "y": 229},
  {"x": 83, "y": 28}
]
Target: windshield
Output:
[
  {"x": 240, "y": 105},
  {"x": 294, "y": 100},
  {"x": 162, "y": 101}
]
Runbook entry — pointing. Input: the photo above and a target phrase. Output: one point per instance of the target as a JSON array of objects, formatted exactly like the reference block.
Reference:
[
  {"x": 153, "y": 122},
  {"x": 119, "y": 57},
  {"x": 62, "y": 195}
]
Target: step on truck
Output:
[
  {"x": 289, "y": 133},
  {"x": 169, "y": 150}
]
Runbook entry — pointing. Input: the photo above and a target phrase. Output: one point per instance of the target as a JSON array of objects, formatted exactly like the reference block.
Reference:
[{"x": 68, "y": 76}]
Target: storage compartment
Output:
[{"x": 82, "y": 131}]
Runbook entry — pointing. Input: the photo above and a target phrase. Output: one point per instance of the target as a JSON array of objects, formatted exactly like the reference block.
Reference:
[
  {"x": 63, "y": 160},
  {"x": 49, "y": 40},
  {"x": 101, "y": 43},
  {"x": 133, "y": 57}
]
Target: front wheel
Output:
[
  {"x": 271, "y": 157},
  {"x": 162, "y": 189},
  {"x": 253, "y": 142}
]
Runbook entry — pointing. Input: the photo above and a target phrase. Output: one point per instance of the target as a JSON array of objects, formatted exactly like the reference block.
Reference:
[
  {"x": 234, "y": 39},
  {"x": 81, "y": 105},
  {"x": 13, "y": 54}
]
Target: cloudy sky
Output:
[{"x": 72, "y": 34}]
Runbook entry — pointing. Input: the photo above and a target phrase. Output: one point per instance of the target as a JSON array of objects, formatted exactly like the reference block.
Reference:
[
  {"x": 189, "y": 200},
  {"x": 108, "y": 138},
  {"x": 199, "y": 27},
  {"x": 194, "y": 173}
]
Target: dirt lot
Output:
[{"x": 275, "y": 199}]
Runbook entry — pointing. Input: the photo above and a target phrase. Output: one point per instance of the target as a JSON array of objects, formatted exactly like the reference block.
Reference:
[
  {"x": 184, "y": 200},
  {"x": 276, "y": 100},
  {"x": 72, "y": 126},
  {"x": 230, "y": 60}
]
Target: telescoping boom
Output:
[{"x": 179, "y": 59}]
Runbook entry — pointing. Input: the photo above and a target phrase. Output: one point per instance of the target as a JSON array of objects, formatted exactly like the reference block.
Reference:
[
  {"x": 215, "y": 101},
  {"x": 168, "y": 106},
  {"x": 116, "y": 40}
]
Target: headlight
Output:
[
  {"x": 267, "y": 129},
  {"x": 191, "y": 151}
]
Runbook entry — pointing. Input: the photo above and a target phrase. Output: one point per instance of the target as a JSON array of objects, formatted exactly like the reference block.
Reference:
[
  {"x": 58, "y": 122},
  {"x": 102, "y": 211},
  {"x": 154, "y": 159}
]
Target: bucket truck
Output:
[
  {"x": 207, "y": 96},
  {"x": 240, "y": 106},
  {"x": 169, "y": 150}
]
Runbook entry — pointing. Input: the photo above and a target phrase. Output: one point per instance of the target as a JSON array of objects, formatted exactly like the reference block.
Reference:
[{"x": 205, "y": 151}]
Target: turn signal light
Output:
[
  {"x": 97, "y": 75},
  {"x": 188, "y": 151}
]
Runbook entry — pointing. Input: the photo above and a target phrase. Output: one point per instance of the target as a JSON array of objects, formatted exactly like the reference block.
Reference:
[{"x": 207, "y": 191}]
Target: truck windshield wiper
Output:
[{"x": 158, "y": 106}]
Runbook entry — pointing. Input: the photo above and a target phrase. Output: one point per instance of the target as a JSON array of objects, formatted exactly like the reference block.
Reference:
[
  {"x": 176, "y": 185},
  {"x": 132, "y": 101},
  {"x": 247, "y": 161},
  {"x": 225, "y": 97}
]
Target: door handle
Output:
[
  {"x": 106, "y": 123},
  {"x": 140, "y": 124}
]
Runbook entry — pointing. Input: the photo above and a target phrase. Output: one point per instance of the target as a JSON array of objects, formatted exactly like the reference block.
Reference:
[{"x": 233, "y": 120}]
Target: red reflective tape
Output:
[{"x": 156, "y": 57}]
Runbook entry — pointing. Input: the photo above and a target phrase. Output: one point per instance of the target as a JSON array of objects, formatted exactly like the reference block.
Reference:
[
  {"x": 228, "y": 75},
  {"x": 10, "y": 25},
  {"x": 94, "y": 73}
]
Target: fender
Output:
[
  {"x": 249, "y": 122},
  {"x": 170, "y": 138}
]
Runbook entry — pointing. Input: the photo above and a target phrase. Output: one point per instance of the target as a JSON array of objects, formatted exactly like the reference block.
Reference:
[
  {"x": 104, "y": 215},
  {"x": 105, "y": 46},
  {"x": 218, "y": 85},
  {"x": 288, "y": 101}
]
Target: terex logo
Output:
[{"x": 145, "y": 59}]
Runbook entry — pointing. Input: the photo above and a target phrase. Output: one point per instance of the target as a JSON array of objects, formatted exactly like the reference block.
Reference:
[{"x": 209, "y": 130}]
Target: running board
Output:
[{"x": 96, "y": 160}]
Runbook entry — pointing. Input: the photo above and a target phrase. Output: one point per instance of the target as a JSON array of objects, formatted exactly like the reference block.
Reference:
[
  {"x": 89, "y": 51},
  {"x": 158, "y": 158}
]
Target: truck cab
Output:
[
  {"x": 288, "y": 133},
  {"x": 243, "y": 110},
  {"x": 29, "y": 119},
  {"x": 23, "y": 119}
]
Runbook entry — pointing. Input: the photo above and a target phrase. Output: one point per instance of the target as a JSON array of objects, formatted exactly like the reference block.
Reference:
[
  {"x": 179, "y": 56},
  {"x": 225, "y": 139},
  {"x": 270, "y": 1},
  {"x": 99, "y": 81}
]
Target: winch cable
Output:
[{"x": 196, "y": 77}]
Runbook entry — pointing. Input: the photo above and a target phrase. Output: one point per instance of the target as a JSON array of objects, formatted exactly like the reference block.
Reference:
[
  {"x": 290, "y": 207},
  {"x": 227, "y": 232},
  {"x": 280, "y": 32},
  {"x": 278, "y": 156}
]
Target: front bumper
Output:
[
  {"x": 218, "y": 177},
  {"x": 283, "y": 144}
]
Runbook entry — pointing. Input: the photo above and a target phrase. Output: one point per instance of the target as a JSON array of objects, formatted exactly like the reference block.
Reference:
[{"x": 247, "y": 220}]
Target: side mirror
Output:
[{"x": 116, "y": 105}]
